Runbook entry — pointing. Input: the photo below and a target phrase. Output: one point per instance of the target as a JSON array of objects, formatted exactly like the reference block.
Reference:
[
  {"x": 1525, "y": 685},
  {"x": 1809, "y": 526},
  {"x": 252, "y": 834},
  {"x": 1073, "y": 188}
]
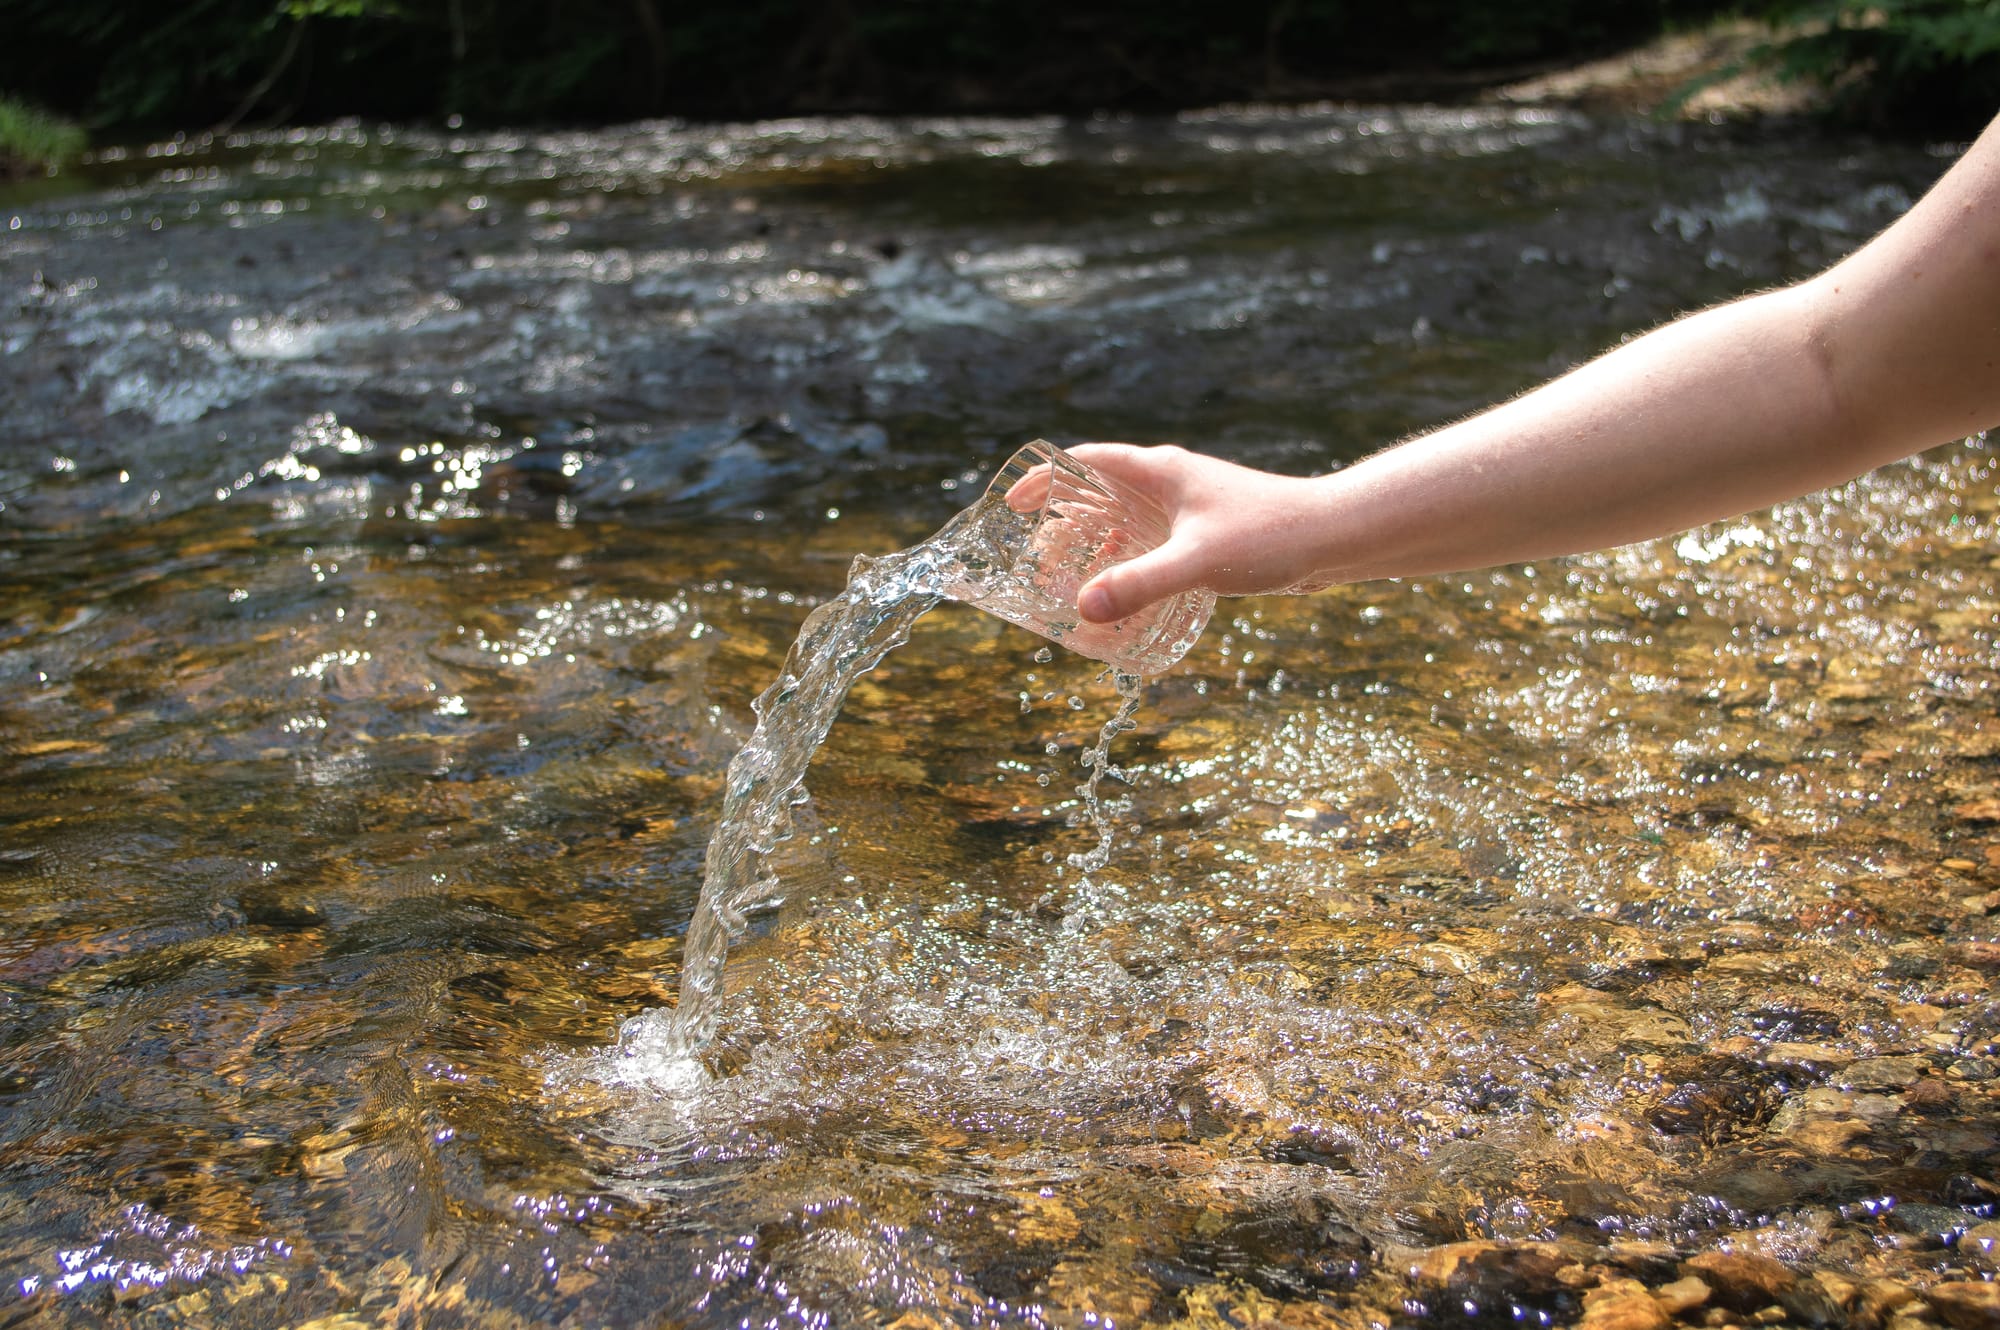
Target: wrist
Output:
[{"x": 1320, "y": 525}]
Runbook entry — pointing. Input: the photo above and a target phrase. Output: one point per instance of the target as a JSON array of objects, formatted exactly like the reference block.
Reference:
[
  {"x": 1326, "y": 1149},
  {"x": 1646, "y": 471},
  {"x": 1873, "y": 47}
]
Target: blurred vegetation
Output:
[
  {"x": 33, "y": 140},
  {"x": 126, "y": 66},
  {"x": 121, "y": 66},
  {"x": 1919, "y": 64}
]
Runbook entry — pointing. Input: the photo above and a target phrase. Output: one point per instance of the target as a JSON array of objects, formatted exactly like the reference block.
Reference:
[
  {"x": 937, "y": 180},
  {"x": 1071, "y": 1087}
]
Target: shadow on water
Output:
[{"x": 396, "y": 527}]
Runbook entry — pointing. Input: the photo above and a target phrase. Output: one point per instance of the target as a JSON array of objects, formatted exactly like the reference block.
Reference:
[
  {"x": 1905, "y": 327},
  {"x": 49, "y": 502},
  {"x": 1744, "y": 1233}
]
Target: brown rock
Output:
[
  {"x": 1108, "y": 1289},
  {"x": 1843, "y": 1298},
  {"x": 1471, "y": 1267},
  {"x": 1622, "y": 1304},
  {"x": 1891, "y": 1073},
  {"x": 1786, "y": 1053},
  {"x": 1970, "y": 1305},
  {"x": 1917, "y": 1015},
  {"x": 1810, "y": 1302},
  {"x": 1651, "y": 1260},
  {"x": 1860, "y": 1302},
  {"x": 1928, "y": 1094},
  {"x": 1741, "y": 1281},
  {"x": 1838, "y": 1287},
  {"x": 1879, "y": 1297},
  {"x": 1827, "y": 1136},
  {"x": 1681, "y": 1295},
  {"x": 1488, "y": 1274},
  {"x": 1980, "y": 1240}
]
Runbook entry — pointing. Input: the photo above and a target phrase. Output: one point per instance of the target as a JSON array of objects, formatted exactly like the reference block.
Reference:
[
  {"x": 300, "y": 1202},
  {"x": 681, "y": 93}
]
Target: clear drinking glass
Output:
[{"x": 1026, "y": 566}]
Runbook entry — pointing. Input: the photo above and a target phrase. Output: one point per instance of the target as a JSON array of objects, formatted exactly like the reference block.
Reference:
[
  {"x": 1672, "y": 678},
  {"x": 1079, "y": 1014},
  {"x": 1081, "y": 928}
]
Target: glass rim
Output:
[{"x": 1082, "y": 482}]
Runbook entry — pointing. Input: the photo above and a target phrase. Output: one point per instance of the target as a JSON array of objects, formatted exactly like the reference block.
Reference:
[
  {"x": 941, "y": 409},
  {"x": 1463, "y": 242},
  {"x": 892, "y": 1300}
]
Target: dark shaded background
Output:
[{"x": 113, "y": 62}]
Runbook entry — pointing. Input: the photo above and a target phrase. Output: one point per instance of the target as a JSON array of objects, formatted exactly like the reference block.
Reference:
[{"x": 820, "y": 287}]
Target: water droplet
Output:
[{"x": 1045, "y": 655}]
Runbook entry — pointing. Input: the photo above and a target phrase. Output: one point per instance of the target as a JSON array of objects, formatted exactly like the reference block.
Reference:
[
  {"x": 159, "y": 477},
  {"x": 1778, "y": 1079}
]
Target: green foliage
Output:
[
  {"x": 33, "y": 140},
  {"x": 142, "y": 64},
  {"x": 199, "y": 62},
  {"x": 1924, "y": 64},
  {"x": 305, "y": 9}
]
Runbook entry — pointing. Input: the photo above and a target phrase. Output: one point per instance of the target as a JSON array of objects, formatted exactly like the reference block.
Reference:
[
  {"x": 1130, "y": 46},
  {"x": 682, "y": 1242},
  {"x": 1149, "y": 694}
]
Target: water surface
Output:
[{"x": 398, "y": 525}]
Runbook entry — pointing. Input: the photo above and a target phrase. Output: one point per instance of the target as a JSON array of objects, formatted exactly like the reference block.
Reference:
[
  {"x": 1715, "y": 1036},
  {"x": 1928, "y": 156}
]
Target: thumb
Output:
[{"x": 1125, "y": 589}]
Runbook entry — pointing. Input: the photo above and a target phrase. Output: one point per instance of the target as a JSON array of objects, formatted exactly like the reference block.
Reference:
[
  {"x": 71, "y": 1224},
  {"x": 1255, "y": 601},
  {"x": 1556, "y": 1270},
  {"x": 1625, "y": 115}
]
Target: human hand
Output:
[{"x": 1231, "y": 530}]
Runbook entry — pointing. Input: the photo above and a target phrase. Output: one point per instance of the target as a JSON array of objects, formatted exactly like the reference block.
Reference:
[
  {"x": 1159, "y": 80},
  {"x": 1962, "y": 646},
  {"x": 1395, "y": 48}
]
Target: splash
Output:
[
  {"x": 1098, "y": 762},
  {"x": 839, "y": 642}
]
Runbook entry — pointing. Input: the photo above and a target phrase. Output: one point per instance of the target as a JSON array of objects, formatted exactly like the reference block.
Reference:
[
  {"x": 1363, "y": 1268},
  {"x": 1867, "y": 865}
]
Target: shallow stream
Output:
[{"x": 395, "y": 527}]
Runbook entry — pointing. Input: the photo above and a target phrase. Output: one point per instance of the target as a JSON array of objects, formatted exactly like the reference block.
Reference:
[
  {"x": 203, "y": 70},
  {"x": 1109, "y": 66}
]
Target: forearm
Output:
[
  {"x": 1894, "y": 350},
  {"x": 1717, "y": 414}
]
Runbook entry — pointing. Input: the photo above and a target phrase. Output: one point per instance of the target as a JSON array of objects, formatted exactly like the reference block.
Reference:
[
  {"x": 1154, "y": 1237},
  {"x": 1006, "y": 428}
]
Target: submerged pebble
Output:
[{"x": 1607, "y": 940}]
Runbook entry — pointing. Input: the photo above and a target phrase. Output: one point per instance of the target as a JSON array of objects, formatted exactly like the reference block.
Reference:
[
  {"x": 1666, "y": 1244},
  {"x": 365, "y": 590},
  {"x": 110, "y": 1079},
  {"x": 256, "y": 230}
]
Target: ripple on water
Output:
[{"x": 367, "y": 714}]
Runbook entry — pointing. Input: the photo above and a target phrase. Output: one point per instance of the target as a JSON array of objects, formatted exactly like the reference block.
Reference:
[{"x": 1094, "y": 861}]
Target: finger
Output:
[
  {"x": 1129, "y": 587},
  {"x": 1142, "y": 468},
  {"x": 1030, "y": 491}
]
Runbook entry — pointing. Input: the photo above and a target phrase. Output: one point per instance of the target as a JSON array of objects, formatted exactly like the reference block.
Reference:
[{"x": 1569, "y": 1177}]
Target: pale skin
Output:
[{"x": 1889, "y": 352}]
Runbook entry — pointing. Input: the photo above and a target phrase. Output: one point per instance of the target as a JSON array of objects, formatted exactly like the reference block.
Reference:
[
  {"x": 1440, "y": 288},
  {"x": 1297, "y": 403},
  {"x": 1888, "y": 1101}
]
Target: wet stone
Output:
[
  {"x": 1980, "y": 955},
  {"x": 1981, "y": 1243},
  {"x": 1425, "y": 940},
  {"x": 1622, "y": 1304},
  {"x": 1892, "y": 1073},
  {"x": 1938, "y": 1225},
  {"x": 1741, "y": 1281},
  {"x": 1653, "y": 1261},
  {"x": 1684, "y": 1294},
  {"x": 1928, "y": 1094},
  {"x": 1810, "y": 1302},
  {"x": 1974, "y": 1193},
  {"x": 1490, "y": 1273},
  {"x": 1705, "y": 1109},
  {"x": 1966, "y": 1305},
  {"x": 1880, "y": 1299},
  {"x": 1786, "y": 1053}
]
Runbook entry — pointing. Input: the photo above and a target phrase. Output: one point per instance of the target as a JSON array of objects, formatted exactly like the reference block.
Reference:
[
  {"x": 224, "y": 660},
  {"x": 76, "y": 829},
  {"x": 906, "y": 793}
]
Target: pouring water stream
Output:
[{"x": 991, "y": 555}]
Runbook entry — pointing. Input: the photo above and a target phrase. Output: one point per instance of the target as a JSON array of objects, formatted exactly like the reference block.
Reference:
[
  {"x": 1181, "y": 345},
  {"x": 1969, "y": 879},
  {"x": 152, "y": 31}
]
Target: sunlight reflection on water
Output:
[{"x": 391, "y": 570}]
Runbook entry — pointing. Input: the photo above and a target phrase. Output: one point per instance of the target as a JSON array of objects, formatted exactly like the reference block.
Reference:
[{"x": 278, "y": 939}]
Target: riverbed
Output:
[{"x": 396, "y": 524}]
